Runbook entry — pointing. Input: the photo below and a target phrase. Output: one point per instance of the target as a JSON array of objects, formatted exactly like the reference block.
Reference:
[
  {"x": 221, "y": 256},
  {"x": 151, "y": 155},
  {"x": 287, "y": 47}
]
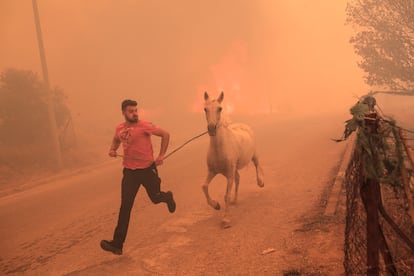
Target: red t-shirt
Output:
[{"x": 136, "y": 142}]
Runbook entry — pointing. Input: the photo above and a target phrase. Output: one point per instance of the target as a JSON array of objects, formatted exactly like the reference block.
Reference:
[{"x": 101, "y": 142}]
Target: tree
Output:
[
  {"x": 385, "y": 41},
  {"x": 23, "y": 110}
]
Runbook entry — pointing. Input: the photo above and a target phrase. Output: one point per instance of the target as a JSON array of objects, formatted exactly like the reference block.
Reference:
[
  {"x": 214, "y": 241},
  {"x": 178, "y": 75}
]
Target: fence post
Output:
[{"x": 369, "y": 196}]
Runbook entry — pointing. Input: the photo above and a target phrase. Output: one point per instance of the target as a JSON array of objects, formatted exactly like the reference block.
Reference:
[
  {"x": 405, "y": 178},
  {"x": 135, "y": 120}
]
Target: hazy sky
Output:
[{"x": 279, "y": 55}]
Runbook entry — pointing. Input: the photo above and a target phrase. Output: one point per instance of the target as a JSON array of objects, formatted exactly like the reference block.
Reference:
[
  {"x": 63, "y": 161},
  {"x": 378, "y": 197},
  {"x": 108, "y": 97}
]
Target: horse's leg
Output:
[
  {"x": 259, "y": 171},
  {"x": 236, "y": 187},
  {"x": 226, "y": 221},
  {"x": 210, "y": 202}
]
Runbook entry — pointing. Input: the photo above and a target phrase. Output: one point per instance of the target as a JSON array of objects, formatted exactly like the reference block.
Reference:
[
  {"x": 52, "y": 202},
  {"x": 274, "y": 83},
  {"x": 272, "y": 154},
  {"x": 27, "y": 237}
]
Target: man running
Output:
[{"x": 139, "y": 168}]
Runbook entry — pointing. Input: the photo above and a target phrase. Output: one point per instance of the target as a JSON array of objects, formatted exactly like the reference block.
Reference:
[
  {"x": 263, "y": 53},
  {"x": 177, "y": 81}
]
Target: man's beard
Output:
[{"x": 133, "y": 120}]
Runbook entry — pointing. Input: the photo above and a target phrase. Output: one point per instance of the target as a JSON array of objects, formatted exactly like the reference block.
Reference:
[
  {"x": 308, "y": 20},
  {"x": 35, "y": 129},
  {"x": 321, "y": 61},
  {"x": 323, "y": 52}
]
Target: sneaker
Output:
[
  {"x": 109, "y": 246},
  {"x": 170, "y": 202}
]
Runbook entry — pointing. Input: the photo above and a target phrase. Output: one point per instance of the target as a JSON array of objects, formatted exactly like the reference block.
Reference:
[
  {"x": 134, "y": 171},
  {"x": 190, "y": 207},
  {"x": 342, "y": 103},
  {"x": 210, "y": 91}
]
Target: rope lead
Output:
[{"x": 168, "y": 155}]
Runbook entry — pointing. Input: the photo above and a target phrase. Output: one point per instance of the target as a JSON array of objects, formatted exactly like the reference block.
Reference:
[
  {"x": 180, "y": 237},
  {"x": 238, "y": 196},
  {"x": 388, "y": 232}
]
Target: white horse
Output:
[{"x": 232, "y": 147}]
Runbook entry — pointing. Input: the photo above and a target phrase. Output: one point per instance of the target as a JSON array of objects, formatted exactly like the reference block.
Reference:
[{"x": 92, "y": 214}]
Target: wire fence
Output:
[{"x": 379, "y": 232}]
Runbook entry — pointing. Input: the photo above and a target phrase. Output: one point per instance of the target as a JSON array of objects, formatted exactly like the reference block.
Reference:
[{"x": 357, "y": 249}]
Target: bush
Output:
[{"x": 24, "y": 122}]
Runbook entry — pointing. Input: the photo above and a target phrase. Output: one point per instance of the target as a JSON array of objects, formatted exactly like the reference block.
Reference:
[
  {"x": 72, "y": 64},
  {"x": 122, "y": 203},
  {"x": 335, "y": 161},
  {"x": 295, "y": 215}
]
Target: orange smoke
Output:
[
  {"x": 228, "y": 75},
  {"x": 150, "y": 113}
]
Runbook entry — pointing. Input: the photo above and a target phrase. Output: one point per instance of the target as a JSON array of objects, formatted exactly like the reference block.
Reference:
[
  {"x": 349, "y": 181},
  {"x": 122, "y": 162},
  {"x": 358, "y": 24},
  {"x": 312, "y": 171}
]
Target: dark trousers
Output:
[{"x": 131, "y": 181}]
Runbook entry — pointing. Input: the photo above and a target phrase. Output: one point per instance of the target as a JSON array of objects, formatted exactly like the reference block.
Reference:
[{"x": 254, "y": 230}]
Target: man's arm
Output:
[
  {"x": 165, "y": 140},
  {"x": 114, "y": 146}
]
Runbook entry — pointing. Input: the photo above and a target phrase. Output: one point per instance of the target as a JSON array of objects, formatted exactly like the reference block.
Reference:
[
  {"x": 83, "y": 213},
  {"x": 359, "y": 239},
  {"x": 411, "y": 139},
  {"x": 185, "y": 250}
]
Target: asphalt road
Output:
[{"x": 55, "y": 228}]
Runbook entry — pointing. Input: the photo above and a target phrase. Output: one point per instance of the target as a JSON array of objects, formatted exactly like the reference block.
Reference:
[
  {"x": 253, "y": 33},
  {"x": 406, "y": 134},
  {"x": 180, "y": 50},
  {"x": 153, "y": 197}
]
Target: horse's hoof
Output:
[
  {"x": 217, "y": 207},
  {"x": 225, "y": 223},
  {"x": 233, "y": 202},
  {"x": 260, "y": 184}
]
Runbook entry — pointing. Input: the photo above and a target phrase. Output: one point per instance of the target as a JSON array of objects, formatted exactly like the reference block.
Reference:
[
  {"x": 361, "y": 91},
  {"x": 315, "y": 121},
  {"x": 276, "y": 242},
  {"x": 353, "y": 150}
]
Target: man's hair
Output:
[{"x": 127, "y": 103}]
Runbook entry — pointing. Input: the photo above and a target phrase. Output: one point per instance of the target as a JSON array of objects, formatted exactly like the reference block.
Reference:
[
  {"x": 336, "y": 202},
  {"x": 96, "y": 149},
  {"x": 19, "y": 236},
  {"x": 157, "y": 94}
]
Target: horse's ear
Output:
[
  {"x": 221, "y": 97},
  {"x": 205, "y": 96}
]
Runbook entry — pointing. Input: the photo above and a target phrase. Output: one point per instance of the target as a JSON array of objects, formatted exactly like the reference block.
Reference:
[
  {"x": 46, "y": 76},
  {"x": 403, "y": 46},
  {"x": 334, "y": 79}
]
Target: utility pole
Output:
[{"x": 52, "y": 120}]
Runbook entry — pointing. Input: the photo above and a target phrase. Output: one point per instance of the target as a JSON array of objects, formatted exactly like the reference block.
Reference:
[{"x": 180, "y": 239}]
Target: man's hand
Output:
[
  {"x": 114, "y": 146},
  {"x": 165, "y": 138},
  {"x": 159, "y": 160},
  {"x": 112, "y": 153}
]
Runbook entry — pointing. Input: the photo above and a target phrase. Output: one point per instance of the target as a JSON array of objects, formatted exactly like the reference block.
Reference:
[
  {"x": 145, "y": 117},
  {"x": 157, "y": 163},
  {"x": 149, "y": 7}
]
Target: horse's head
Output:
[{"x": 213, "y": 110}]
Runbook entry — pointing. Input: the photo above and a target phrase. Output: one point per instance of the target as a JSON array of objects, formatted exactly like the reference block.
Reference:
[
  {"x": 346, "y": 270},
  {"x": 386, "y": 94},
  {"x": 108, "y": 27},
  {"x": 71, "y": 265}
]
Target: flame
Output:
[{"x": 227, "y": 76}]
